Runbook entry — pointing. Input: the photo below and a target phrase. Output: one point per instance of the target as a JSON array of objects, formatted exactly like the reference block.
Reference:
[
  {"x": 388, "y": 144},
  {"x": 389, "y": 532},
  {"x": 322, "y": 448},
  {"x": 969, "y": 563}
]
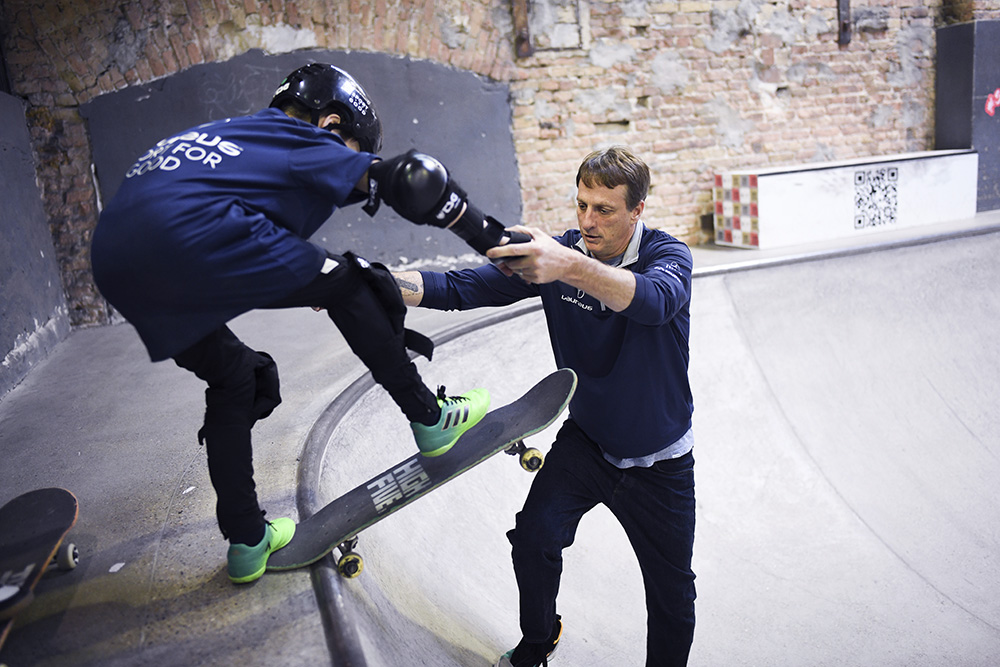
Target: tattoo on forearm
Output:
[{"x": 407, "y": 287}]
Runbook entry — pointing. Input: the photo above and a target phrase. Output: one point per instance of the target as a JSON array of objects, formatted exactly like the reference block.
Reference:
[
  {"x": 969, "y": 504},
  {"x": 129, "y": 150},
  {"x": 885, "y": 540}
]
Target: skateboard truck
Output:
[
  {"x": 531, "y": 459},
  {"x": 350, "y": 564}
]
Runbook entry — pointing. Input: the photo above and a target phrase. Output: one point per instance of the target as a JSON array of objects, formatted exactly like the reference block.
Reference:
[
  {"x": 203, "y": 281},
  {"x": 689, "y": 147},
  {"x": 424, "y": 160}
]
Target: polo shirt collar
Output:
[{"x": 631, "y": 255}]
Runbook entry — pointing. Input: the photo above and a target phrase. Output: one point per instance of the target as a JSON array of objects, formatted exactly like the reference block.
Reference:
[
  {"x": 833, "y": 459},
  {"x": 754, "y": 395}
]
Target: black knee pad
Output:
[
  {"x": 380, "y": 280},
  {"x": 250, "y": 391},
  {"x": 267, "y": 395},
  {"x": 386, "y": 291}
]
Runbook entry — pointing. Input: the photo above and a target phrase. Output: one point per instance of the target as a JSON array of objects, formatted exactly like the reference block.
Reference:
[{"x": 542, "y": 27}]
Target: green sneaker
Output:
[
  {"x": 458, "y": 415},
  {"x": 247, "y": 563}
]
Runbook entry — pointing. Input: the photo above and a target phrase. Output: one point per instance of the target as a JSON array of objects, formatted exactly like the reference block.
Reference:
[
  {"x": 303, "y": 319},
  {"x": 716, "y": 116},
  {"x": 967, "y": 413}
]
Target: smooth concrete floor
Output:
[{"x": 847, "y": 460}]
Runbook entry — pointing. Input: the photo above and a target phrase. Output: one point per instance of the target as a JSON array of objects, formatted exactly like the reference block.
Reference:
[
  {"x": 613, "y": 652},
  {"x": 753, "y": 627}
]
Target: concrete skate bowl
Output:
[{"x": 846, "y": 474}]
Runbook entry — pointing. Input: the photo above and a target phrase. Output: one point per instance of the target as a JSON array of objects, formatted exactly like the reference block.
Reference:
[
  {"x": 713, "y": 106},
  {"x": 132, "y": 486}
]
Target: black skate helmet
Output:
[{"x": 321, "y": 87}]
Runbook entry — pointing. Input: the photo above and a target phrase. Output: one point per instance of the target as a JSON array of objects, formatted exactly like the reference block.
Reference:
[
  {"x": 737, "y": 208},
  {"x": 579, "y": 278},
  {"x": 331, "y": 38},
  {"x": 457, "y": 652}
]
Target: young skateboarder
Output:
[{"x": 214, "y": 221}]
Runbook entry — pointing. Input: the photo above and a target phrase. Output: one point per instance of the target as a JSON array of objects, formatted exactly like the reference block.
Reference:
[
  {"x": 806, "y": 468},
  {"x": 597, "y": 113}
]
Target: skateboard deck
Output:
[
  {"x": 32, "y": 529},
  {"x": 339, "y": 523}
]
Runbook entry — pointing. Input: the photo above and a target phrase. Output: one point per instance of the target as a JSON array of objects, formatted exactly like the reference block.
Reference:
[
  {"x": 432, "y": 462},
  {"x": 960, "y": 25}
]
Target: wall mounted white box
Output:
[{"x": 785, "y": 206}]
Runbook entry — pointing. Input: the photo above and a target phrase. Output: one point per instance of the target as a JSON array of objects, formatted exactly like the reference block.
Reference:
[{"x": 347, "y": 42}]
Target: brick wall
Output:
[{"x": 693, "y": 86}]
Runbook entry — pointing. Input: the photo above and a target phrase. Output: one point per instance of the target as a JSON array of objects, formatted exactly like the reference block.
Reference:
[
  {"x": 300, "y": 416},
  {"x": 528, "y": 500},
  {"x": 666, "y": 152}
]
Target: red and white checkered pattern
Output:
[{"x": 736, "y": 216}]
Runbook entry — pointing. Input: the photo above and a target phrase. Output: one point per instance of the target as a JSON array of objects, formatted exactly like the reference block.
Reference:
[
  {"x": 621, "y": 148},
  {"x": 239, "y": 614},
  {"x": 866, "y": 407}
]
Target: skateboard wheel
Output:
[
  {"x": 532, "y": 459},
  {"x": 350, "y": 565},
  {"x": 68, "y": 557}
]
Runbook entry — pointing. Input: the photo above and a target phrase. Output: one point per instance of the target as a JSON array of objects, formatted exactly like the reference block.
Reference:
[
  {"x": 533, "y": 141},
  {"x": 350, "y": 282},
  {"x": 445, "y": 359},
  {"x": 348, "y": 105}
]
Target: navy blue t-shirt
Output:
[{"x": 211, "y": 223}]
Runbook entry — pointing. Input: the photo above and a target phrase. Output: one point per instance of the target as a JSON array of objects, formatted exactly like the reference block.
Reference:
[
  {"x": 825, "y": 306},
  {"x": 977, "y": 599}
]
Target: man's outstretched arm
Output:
[{"x": 411, "y": 286}]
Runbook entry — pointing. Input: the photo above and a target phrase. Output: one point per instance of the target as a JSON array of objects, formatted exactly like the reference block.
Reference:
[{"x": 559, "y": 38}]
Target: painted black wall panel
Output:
[
  {"x": 968, "y": 75},
  {"x": 953, "y": 87}
]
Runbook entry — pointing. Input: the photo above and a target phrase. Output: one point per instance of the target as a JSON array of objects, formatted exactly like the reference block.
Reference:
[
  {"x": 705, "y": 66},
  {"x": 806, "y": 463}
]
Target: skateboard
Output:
[
  {"x": 32, "y": 529},
  {"x": 504, "y": 429}
]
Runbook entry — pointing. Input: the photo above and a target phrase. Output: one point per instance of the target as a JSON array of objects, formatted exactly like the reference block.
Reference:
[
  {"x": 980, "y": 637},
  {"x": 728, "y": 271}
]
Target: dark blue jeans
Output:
[{"x": 654, "y": 505}]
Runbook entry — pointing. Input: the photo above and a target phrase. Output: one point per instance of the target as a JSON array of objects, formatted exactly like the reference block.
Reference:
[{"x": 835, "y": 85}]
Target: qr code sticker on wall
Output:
[{"x": 875, "y": 197}]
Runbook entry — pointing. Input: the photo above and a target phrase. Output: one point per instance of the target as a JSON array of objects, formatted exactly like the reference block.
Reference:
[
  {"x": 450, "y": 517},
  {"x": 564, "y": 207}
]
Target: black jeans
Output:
[
  {"x": 243, "y": 386},
  {"x": 656, "y": 508},
  {"x": 231, "y": 370}
]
